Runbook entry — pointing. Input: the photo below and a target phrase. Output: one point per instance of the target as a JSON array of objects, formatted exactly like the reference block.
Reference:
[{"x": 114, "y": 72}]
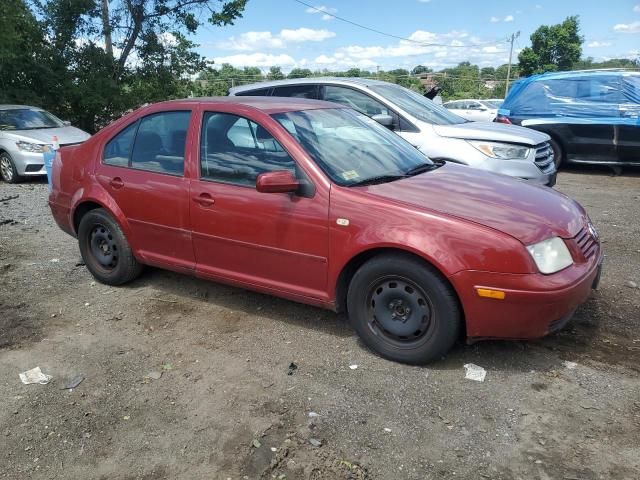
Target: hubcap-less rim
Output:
[
  {"x": 5, "y": 168},
  {"x": 399, "y": 310},
  {"x": 103, "y": 247}
]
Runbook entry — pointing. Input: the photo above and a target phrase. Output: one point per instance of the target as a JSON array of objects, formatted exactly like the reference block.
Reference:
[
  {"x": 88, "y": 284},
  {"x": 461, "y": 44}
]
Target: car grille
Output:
[
  {"x": 544, "y": 157},
  {"x": 587, "y": 244}
]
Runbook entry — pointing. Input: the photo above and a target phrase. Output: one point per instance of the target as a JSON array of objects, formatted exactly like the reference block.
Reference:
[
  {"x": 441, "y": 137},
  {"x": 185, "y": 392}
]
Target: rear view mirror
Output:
[
  {"x": 384, "y": 120},
  {"x": 279, "y": 181}
]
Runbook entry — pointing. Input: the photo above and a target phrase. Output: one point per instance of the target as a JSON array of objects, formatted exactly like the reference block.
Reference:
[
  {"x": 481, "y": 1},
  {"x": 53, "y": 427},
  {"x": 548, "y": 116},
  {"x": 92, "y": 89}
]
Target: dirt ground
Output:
[{"x": 225, "y": 406}]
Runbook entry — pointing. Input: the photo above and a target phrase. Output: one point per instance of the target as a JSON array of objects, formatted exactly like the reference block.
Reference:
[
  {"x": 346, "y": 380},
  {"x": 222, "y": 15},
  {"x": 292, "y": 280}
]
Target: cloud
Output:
[
  {"x": 256, "y": 60},
  {"x": 408, "y": 53},
  {"x": 494, "y": 19},
  {"x": 633, "y": 27},
  {"x": 324, "y": 10},
  {"x": 508, "y": 18},
  {"x": 306, "y": 35},
  {"x": 637, "y": 8},
  {"x": 598, "y": 44},
  {"x": 251, "y": 41}
]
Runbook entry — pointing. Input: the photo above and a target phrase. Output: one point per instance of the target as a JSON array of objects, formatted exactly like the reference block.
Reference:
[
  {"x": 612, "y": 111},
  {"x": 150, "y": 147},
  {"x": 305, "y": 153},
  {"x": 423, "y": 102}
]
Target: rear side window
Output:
[
  {"x": 297, "y": 91},
  {"x": 236, "y": 150},
  {"x": 118, "y": 150},
  {"x": 261, "y": 92},
  {"x": 354, "y": 99},
  {"x": 160, "y": 143}
]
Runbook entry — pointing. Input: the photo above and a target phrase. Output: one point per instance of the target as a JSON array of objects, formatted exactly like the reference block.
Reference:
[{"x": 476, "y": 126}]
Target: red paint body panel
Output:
[{"x": 470, "y": 225}]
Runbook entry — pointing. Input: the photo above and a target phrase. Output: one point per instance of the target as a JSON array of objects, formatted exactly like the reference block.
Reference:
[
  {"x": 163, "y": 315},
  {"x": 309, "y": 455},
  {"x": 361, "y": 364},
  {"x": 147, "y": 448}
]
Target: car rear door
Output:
[
  {"x": 143, "y": 170},
  {"x": 274, "y": 241}
]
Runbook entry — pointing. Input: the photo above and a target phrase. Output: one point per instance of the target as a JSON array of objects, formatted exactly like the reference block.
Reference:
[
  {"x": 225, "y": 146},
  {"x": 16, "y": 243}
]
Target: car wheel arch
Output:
[
  {"x": 86, "y": 204},
  {"x": 350, "y": 268}
]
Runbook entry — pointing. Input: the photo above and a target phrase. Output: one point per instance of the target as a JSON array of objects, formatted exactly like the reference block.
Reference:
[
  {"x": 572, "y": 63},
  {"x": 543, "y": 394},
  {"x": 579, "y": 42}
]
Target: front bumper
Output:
[
  {"x": 524, "y": 169},
  {"x": 534, "y": 304},
  {"x": 27, "y": 163}
]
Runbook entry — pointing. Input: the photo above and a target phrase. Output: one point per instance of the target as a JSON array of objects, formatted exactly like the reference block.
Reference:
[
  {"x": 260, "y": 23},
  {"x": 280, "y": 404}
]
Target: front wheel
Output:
[
  {"x": 8, "y": 170},
  {"x": 404, "y": 309},
  {"x": 558, "y": 154},
  {"x": 105, "y": 249}
]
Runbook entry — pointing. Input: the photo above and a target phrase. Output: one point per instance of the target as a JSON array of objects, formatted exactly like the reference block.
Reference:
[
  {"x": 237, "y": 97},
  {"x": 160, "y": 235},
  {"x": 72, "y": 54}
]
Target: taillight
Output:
[{"x": 502, "y": 119}]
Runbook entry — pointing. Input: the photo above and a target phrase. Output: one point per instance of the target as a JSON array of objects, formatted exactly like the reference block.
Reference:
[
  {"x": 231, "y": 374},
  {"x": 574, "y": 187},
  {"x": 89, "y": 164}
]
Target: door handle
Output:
[
  {"x": 116, "y": 182},
  {"x": 204, "y": 199}
]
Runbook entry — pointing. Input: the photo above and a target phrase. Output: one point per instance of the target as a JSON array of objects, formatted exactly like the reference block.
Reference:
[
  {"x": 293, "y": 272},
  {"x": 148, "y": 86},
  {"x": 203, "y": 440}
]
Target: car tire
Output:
[
  {"x": 105, "y": 250},
  {"x": 8, "y": 170},
  {"x": 404, "y": 309},
  {"x": 558, "y": 153}
]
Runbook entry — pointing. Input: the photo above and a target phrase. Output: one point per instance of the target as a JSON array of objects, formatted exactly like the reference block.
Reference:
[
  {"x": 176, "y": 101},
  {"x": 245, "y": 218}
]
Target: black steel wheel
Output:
[
  {"x": 105, "y": 249},
  {"x": 558, "y": 153},
  {"x": 404, "y": 309}
]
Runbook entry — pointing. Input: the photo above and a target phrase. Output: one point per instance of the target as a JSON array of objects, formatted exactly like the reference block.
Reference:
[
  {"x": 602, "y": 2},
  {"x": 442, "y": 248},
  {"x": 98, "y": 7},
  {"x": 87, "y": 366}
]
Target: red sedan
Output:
[{"x": 316, "y": 203}]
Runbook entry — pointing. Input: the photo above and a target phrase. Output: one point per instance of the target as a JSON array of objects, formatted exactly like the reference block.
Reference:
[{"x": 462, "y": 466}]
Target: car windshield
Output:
[
  {"x": 420, "y": 107},
  {"x": 351, "y": 148},
  {"x": 27, "y": 119},
  {"x": 492, "y": 103}
]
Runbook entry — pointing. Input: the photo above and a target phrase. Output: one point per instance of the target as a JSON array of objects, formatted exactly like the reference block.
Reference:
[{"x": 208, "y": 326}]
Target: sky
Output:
[{"x": 288, "y": 34}]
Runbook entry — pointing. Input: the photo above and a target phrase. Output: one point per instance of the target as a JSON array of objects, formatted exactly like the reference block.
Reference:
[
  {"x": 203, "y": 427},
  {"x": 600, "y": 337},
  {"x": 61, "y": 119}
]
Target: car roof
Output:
[
  {"x": 266, "y": 104},
  {"x": 13, "y": 107},
  {"x": 582, "y": 73},
  {"x": 303, "y": 81}
]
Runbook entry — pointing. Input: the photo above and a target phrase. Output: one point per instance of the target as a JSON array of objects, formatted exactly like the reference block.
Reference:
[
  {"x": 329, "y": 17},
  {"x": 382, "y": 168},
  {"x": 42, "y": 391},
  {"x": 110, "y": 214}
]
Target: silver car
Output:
[
  {"x": 438, "y": 133},
  {"x": 24, "y": 133}
]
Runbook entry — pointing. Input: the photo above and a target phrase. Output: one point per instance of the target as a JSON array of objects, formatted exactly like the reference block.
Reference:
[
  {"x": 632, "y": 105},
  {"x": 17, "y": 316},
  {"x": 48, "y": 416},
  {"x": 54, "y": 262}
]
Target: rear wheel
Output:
[
  {"x": 105, "y": 249},
  {"x": 403, "y": 309},
  {"x": 558, "y": 153},
  {"x": 8, "y": 170}
]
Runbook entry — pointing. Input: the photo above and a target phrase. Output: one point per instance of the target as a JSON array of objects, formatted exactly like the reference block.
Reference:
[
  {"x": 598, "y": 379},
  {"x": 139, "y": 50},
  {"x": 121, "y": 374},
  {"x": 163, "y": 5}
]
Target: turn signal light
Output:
[{"x": 485, "y": 292}]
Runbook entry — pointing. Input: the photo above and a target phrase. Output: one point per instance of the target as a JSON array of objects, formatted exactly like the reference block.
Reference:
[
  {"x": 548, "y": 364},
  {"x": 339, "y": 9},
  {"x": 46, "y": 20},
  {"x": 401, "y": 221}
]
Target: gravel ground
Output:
[{"x": 190, "y": 379}]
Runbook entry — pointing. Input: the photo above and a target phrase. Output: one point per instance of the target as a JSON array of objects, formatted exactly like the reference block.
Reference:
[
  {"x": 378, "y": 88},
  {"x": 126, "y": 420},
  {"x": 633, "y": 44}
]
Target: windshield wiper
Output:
[
  {"x": 418, "y": 169},
  {"x": 378, "y": 179}
]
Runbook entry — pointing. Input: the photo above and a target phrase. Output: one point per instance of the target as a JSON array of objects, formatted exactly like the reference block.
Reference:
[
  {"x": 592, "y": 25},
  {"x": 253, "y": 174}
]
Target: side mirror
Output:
[
  {"x": 384, "y": 120},
  {"x": 279, "y": 181},
  {"x": 483, "y": 109},
  {"x": 66, "y": 123}
]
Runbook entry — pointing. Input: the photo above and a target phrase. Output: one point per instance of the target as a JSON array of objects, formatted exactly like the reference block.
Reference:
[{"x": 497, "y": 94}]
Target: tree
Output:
[
  {"x": 275, "y": 73},
  {"x": 300, "y": 73},
  {"x": 553, "y": 47},
  {"x": 417, "y": 70}
]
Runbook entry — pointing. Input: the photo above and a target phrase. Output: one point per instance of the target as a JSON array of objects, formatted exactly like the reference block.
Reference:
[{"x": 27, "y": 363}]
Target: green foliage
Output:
[
  {"x": 553, "y": 47},
  {"x": 300, "y": 73},
  {"x": 89, "y": 66},
  {"x": 275, "y": 73},
  {"x": 417, "y": 70}
]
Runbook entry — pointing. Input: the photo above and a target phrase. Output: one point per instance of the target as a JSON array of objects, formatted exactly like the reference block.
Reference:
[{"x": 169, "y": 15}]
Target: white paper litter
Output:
[
  {"x": 570, "y": 365},
  {"x": 35, "y": 375},
  {"x": 353, "y": 367},
  {"x": 474, "y": 372}
]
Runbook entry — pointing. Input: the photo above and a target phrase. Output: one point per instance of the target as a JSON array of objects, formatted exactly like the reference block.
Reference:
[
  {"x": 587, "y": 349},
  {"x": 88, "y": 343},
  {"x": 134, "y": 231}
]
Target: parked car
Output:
[
  {"x": 24, "y": 133},
  {"x": 592, "y": 116},
  {"x": 473, "y": 110},
  {"x": 320, "y": 204},
  {"x": 434, "y": 130}
]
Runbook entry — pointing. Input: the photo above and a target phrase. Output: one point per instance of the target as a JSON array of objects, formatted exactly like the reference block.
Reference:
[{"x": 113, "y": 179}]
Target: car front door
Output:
[
  {"x": 274, "y": 241},
  {"x": 142, "y": 168}
]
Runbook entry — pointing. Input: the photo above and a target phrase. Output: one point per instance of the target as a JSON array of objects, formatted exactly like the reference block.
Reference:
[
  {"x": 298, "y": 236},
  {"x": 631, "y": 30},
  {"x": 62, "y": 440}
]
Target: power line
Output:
[{"x": 397, "y": 37}]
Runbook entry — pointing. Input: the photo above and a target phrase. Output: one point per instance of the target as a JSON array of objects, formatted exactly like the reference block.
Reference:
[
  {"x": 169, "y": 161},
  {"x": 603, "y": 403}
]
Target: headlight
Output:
[
  {"x": 31, "y": 147},
  {"x": 551, "y": 255},
  {"x": 504, "y": 151}
]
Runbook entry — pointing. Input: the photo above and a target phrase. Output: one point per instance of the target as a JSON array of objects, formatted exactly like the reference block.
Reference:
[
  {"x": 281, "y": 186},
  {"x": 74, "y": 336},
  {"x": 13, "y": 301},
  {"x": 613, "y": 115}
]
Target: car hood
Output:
[
  {"x": 496, "y": 132},
  {"x": 66, "y": 135},
  {"x": 527, "y": 212}
]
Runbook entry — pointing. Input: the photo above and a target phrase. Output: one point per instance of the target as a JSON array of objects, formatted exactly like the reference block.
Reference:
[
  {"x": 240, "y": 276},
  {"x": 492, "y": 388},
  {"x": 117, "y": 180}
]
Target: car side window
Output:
[
  {"x": 357, "y": 100},
  {"x": 236, "y": 150},
  {"x": 118, "y": 149},
  {"x": 296, "y": 91},
  {"x": 160, "y": 143},
  {"x": 260, "y": 92}
]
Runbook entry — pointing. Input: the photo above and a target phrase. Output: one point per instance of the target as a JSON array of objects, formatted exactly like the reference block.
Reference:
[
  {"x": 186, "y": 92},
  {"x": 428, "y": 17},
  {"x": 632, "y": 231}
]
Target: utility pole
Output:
[{"x": 513, "y": 37}]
